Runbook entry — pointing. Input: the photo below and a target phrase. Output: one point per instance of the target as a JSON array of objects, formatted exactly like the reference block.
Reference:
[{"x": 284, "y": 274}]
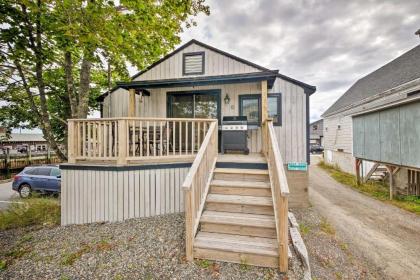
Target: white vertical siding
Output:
[
  {"x": 214, "y": 64},
  {"x": 291, "y": 135},
  {"x": 90, "y": 196},
  {"x": 335, "y": 138}
]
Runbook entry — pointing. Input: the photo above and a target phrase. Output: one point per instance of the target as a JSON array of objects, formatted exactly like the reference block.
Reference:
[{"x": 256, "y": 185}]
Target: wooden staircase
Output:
[
  {"x": 237, "y": 224},
  {"x": 236, "y": 207}
]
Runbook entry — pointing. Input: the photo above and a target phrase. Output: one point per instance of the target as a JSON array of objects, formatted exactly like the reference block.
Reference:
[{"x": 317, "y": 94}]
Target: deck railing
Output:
[
  {"x": 196, "y": 185},
  {"x": 135, "y": 139},
  {"x": 280, "y": 192}
]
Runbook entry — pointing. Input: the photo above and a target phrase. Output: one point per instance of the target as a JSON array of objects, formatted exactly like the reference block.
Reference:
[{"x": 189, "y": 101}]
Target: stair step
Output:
[
  {"x": 241, "y": 219},
  {"x": 241, "y": 171},
  {"x": 240, "y": 174},
  {"x": 239, "y": 204},
  {"x": 240, "y": 199},
  {"x": 240, "y": 187},
  {"x": 236, "y": 248},
  {"x": 238, "y": 223}
]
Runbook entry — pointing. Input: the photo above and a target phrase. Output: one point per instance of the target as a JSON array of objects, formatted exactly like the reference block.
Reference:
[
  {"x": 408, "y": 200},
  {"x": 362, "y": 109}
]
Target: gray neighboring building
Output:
[
  {"x": 316, "y": 133},
  {"x": 34, "y": 142},
  {"x": 375, "y": 121}
]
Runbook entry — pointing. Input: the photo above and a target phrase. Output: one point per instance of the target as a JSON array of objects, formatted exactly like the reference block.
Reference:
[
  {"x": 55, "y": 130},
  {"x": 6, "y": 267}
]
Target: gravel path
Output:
[
  {"x": 389, "y": 237},
  {"x": 149, "y": 248}
]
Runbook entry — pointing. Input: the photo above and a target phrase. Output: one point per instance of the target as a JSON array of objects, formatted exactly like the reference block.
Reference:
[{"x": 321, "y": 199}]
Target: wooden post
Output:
[
  {"x": 284, "y": 234},
  {"x": 189, "y": 238},
  {"x": 70, "y": 142},
  {"x": 131, "y": 103},
  {"x": 391, "y": 181},
  {"x": 358, "y": 162},
  {"x": 122, "y": 142},
  {"x": 264, "y": 115}
]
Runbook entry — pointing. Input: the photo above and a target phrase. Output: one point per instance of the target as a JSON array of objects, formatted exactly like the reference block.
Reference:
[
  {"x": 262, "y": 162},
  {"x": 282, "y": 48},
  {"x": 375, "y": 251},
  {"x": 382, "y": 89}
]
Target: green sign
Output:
[{"x": 297, "y": 166}]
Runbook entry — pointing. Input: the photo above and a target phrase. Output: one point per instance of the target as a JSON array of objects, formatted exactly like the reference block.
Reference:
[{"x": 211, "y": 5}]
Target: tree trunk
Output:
[
  {"x": 84, "y": 88},
  {"x": 72, "y": 95}
]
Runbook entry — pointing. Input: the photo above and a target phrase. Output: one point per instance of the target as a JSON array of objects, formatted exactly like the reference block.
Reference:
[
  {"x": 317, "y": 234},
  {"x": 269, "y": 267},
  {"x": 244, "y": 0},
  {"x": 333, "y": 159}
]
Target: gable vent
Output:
[{"x": 193, "y": 63}]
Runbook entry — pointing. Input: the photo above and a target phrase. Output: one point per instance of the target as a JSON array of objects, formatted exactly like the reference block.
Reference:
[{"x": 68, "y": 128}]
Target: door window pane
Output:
[
  {"x": 182, "y": 106},
  {"x": 250, "y": 107},
  {"x": 205, "y": 106}
]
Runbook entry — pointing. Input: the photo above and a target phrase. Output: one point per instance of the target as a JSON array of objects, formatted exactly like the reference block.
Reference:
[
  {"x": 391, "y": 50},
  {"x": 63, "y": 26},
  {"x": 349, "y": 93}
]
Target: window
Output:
[
  {"x": 30, "y": 171},
  {"x": 55, "y": 172},
  {"x": 250, "y": 106},
  {"x": 42, "y": 171},
  {"x": 274, "y": 108},
  {"x": 193, "y": 63}
]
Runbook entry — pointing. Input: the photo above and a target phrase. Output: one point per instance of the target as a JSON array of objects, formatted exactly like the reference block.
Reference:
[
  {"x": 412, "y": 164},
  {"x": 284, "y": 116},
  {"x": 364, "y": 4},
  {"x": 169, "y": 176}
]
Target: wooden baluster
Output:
[
  {"x": 161, "y": 138},
  {"x": 173, "y": 137},
  {"x": 141, "y": 138},
  {"x": 154, "y": 138},
  {"x": 105, "y": 137},
  {"x": 88, "y": 140},
  {"x": 147, "y": 137},
  {"x": 71, "y": 142},
  {"x": 79, "y": 138},
  {"x": 84, "y": 139},
  {"x": 180, "y": 138},
  {"x": 110, "y": 142},
  {"x": 186, "y": 137},
  {"x": 167, "y": 138},
  {"x": 192, "y": 136},
  {"x": 198, "y": 135},
  {"x": 133, "y": 138}
]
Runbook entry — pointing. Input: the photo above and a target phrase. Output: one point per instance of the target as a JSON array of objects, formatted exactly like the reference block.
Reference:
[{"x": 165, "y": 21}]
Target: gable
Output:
[{"x": 216, "y": 62}]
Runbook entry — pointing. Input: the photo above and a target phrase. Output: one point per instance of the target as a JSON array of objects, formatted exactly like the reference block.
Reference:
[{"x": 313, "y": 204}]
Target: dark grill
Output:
[{"x": 234, "y": 134}]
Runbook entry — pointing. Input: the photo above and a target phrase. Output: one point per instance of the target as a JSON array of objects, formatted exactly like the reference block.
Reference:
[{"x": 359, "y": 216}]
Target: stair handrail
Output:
[
  {"x": 196, "y": 185},
  {"x": 280, "y": 193}
]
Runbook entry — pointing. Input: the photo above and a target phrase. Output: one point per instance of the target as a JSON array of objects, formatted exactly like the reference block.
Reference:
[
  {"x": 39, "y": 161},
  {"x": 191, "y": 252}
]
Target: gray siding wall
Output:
[
  {"x": 391, "y": 135},
  {"x": 89, "y": 196},
  {"x": 215, "y": 64},
  {"x": 291, "y": 135}
]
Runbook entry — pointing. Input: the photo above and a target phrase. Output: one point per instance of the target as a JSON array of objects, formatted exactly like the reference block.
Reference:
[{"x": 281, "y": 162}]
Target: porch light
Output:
[
  {"x": 227, "y": 99},
  {"x": 141, "y": 96}
]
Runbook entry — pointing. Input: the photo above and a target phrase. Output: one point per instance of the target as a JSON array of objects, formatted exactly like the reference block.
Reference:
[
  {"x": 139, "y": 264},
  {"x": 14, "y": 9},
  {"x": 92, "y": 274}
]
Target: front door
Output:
[{"x": 204, "y": 104}]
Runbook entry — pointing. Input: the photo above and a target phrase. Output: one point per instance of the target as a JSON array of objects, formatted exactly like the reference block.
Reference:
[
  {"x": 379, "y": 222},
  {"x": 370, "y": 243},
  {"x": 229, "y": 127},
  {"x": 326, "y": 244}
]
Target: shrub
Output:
[{"x": 29, "y": 212}]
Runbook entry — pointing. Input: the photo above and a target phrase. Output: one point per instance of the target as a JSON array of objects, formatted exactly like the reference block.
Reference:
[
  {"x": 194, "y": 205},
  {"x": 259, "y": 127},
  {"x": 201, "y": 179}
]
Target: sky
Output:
[{"x": 326, "y": 43}]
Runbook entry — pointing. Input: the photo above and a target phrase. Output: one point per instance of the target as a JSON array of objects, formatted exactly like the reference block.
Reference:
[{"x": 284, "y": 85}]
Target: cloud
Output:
[{"x": 327, "y": 43}]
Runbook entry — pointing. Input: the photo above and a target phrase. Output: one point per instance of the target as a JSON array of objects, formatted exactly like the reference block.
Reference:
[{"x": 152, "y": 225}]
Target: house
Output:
[
  {"x": 316, "y": 133},
  {"x": 374, "y": 124},
  {"x": 24, "y": 142},
  {"x": 155, "y": 151}
]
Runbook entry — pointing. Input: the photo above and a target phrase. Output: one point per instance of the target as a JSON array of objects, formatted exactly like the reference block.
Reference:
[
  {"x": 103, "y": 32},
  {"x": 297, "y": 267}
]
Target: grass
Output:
[
  {"x": 70, "y": 258},
  {"x": 304, "y": 229},
  {"x": 30, "y": 212},
  {"x": 326, "y": 227},
  {"x": 373, "y": 189}
]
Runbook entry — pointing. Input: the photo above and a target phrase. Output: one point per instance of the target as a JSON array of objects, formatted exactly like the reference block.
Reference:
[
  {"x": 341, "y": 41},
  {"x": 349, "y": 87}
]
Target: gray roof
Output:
[
  {"x": 401, "y": 70},
  {"x": 25, "y": 137}
]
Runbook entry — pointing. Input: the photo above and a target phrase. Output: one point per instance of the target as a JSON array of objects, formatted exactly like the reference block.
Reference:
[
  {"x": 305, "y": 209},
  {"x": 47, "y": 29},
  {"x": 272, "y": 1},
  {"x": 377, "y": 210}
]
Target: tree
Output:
[{"x": 54, "y": 54}]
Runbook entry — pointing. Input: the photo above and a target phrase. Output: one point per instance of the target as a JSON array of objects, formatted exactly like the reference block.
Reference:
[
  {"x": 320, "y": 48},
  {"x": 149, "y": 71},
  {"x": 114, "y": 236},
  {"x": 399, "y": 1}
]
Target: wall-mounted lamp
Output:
[
  {"x": 141, "y": 97},
  {"x": 227, "y": 99}
]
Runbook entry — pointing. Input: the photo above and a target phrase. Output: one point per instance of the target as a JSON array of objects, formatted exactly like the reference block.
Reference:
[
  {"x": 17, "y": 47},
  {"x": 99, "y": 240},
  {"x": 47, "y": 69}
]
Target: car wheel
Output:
[{"x": 25, "y": 191}]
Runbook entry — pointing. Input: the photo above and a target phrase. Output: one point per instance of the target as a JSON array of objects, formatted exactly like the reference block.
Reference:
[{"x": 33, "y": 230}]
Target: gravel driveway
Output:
[
  {"x": 149, "y": 248},
  {"x": 389, "y": 237}
]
